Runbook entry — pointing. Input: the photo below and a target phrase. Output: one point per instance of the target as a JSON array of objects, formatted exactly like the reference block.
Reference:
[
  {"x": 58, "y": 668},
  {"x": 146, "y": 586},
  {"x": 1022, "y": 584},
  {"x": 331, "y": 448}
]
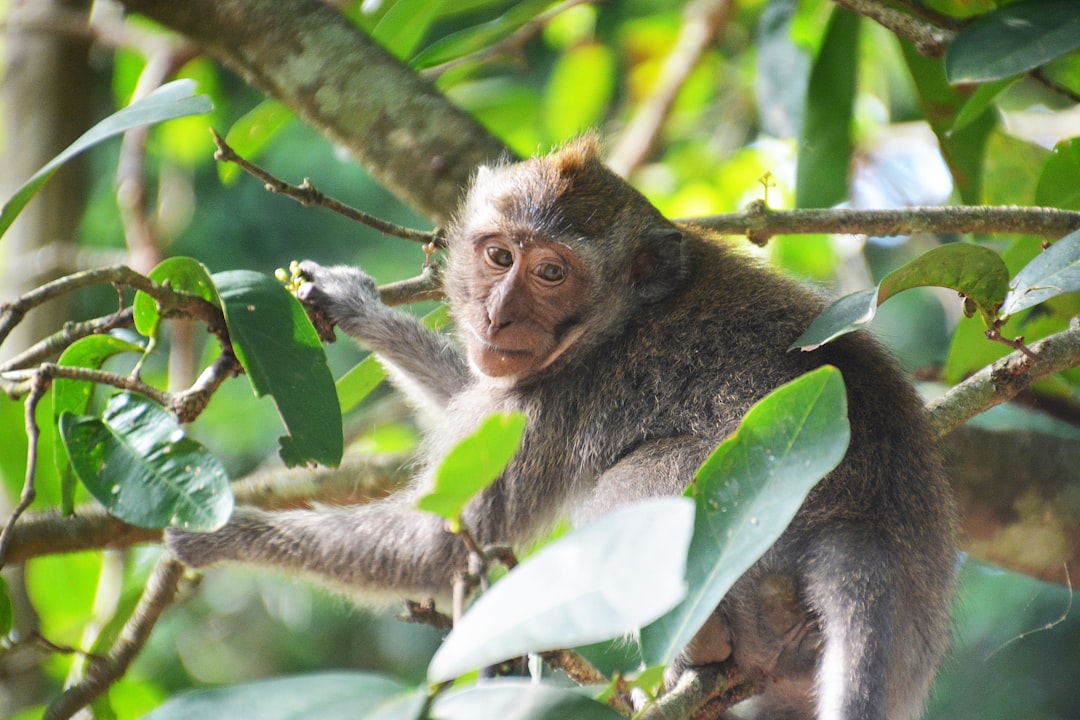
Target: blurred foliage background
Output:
[{"x": 762, "y": 93}]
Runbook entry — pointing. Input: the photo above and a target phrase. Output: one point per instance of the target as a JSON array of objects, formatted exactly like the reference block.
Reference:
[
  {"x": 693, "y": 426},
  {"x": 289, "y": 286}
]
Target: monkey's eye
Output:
[
  {"x": 551, "y": 273},
  {"x": 500, "y": 256}
]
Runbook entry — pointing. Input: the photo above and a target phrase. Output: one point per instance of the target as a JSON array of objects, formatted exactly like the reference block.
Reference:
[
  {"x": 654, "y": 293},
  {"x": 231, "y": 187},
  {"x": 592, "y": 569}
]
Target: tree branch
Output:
[
  {"x": 759, "y": 223},
  {"x": 928, "y": 39},
  {"x": 159, "y": 592},
  {"x": 305, "y": 54}
]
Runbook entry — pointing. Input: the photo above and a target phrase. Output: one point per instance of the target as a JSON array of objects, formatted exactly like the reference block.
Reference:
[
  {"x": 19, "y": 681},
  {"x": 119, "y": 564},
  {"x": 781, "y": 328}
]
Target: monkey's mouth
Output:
[{"x": 493, "y": 349}]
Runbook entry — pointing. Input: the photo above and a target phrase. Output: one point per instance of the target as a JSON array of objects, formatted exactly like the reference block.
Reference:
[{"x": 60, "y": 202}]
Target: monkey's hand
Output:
[{"x": 346, "y": 295}]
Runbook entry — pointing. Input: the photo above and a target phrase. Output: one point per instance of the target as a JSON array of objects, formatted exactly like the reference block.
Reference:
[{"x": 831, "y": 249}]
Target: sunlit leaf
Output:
[
  {"x": 6, "y": 614},
  {"x": 1059, "y": 183},
  {"x": 473, "y": 464},
  {"x": 404, "y": 25},
  {"x": 747, "y": 493},
  {"x": 74, "y": 396},
  {"x": 176, "y": 99},
  {"x": 181, "y": 274},
  {"x": 139, "y": 464},
  {"x": 281, "y": 352},
  {"x": 579, "y": 89},
  {"x": 252, "y": 133},
  {"x": 825, "y": 145},
  {"x": 326, "y": 696},
  {"x": 506, "y": 699},
  {"x": 1053, "y": 272},
  {"x": 586, "y": 587},
  {"x": 1013, "y": 39}
]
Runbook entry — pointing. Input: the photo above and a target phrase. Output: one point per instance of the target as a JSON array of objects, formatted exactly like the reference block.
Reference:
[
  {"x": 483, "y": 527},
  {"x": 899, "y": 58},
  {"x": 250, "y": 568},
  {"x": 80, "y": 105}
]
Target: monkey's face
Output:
[{"x": 524, "y": 306}]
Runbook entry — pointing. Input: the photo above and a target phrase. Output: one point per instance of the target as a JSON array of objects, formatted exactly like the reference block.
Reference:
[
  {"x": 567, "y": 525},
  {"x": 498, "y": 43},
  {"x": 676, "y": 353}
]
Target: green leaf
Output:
[
  {"x": 748, "y": 491},
  {"x": 1013, "y": 39},
  {"x": 139, "y": 464},
  {"x": 475, "y": 39},
  {"x": 976, "y": 272},
  {"x": 585, "y": 587},
  {"x": 964, "y": 148},
  {"x": 579, "y": 89},
  {"x": 172, "y": 100},
  {"x": 252, "y": 133},
  {"x": 1053, "y": 272},
  {"x": 1059, "y": 183},
  {"x": 280, "y": 350},
  {"x": 980, "y": 102},
  {"x": 825, "y": 146},
  {"x": 473, "y": 464},
  {"x": 505, "y": 699},
  {"x": 181, "y": 274},
  {"x": 326, "y": 696},
  {"x": 404, "y": 25},
  {"x": 6, "y": 613},
  {"x": 74, "y": 396}
]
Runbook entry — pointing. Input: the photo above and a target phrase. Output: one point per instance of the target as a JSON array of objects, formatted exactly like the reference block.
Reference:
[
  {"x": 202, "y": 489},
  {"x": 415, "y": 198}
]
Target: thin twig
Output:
[
  {"x": 759, "y": 223},
  {"x": 59, "y": 341},
  {"x": 307, "y": 195},
  {"x": 160, "y": 590},
  {"x": 702, "y": 22},
  {"x": 20, "y": 382},
  {"x": 701, "y": 692},
  {"x": 38, "y": 387}
]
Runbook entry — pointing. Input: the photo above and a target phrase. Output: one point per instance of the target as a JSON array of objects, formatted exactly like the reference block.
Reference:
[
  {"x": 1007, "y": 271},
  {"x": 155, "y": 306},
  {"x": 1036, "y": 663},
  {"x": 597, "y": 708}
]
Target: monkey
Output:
[{"x": 634, "y": 346}]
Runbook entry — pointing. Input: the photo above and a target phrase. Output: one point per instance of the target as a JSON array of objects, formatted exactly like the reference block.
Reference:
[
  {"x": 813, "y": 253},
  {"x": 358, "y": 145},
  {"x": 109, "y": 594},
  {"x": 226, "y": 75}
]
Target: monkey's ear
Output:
[{"x": 659, "y": 266}]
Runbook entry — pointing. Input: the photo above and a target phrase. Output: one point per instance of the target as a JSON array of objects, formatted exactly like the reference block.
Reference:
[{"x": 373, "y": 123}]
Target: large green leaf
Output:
[
  {"x": 579, "y": 89},
  {"x": 748, "y": 491},
  {"x": 1059, "y": 182},
  {"x": 825, "y": 145},
  {"x": 280, "y": 350},
  {"x": 176, "y": 99},
  {"x": 1053, "y": 272},
  {"x": 585, "y": 587},
  {"x": 976, "y": 272},
  {"x": 404, "y": 25},
  {"x": 326, "y": 696},
  {"x": 181, "y": 274},
  {"x": 252, "y": 133},
  {"x": 473, "y": 464},
  {"x": 74, "y": 396},
  {"x": 505, "y": 699},
  {"x": 1013, "y": 39},
  {"x": 139, "y": 464}
]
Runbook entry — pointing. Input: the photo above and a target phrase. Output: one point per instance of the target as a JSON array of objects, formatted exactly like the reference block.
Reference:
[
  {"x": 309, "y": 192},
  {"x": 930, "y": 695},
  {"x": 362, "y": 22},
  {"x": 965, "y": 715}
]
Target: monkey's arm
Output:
[
  {"x": 425, "y": 364},
  {"x": 378, "y": 553}
]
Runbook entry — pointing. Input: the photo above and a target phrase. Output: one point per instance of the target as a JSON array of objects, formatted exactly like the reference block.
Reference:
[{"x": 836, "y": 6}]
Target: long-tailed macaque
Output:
[{"x": 634, "y": 347}]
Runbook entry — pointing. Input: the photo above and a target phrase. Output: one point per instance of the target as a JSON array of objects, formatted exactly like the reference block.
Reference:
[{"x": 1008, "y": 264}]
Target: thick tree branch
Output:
[{"x": 314, "y": 61}]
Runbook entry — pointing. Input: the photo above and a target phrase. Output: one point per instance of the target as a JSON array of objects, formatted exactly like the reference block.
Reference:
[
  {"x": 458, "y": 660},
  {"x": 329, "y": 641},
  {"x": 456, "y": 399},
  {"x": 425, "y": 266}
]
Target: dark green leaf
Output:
[
  {"x": 585, "y": 587},
  {"x": 1013, "y": 39},
  {"x": 1059, "y": 183},
  {"x": 326, "y": 696},
  {"x": 473, "y": 464},
  {"x": 137, "y": 462},
  {"x": 280, "y": 350},
  {"x": 1053, "y": 272},
  {"x": 176, "y": 99},
  {"x": 980, "y": 102},
  {"x": 252, "y": 133},
  {"x": 825, "y": 145},
  {"x": 181, "y": 274},
  {"x": 504, "y": 699},
  {"x": 748, "y": 491},
  {"x": 73, "y": 396}
]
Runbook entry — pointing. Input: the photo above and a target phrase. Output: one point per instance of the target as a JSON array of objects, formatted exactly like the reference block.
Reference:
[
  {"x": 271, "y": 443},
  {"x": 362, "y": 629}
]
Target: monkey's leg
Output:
[
  {"x": 378, "y": 553},
  {"x": 427, "y": 365}
]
